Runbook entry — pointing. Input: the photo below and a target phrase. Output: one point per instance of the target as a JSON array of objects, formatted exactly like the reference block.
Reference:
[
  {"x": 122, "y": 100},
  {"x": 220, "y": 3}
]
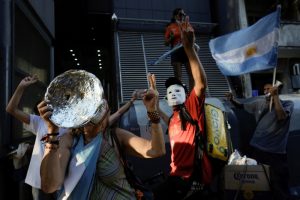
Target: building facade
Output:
[{"x": 26, "y": 48}]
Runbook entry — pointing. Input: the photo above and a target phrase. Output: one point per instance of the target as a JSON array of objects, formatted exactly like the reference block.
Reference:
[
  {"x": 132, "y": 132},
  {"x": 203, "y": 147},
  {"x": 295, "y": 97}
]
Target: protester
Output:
[
  {"x": 88, "y": 166},
  {"x": 115, "y": 116},
  {"x": 173, "y": 38},
  {"x": 181, "y": 132},
  {"x": 269, "y": 140},
  {"x": 36, "y": 125}
]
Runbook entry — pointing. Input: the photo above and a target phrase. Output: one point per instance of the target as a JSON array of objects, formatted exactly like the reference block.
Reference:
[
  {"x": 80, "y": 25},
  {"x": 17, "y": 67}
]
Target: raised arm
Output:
[
  {"x": 114, "y": 117},
  {"x": 163, "y": 115},
  {"x": 188, "y": 40},
  {"x": 13, "y": 104},
  {"x": 139, "y": 146},
  {"x": 56, "y": 155},
  {"x": 231, "y": 98},
  {"x": 280, "y": 113}
]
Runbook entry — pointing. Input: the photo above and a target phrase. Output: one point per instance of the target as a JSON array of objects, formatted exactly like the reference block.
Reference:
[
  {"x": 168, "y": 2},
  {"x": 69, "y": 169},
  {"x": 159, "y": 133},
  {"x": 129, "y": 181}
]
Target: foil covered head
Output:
[{"x": 77, "y": 97}]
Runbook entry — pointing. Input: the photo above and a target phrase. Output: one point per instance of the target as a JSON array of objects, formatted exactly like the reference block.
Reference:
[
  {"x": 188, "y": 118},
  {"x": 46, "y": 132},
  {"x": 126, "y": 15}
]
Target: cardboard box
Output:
[
  {"x": 246, "y": 177},
  {"x": 246, "y": 182},
  {"x": 247, "y": 195}
]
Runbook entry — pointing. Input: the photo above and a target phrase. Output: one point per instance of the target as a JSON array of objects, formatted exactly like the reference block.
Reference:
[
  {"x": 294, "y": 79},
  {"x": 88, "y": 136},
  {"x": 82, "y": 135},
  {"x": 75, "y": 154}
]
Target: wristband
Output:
[
  {"x": 154, "y": 117},
  {"x": 48, "y": 138},
  {"x": 53, "y": 134}
]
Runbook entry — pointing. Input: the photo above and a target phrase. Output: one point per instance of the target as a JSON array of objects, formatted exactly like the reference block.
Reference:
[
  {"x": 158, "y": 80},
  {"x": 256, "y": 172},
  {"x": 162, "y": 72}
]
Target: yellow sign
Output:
[{"x": 216, "y": 133}]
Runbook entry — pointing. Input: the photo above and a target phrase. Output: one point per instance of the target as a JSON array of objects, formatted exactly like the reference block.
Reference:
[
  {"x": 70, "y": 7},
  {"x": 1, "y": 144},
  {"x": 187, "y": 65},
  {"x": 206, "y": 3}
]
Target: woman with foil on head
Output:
[{"x": 88, "y": 165}]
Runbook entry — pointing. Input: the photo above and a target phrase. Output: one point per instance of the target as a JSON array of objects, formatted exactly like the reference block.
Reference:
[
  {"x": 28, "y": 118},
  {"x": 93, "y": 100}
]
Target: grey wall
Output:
[
  {"x": 226, "y": 15},
  {"x": 45, "y": 10}
]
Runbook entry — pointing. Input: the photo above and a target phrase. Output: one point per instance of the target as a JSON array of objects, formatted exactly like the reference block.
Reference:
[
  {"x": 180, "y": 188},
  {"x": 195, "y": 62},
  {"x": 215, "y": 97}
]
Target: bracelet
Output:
[
  {"x": 154, "y": 117},
  {"x": 48, "y": 138},
  {"x": 53, "y": 134}
]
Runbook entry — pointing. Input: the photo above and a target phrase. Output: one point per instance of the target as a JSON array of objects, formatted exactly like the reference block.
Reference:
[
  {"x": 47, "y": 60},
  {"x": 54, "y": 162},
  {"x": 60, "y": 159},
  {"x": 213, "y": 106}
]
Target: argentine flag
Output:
[{"x": 250, "y": 49}]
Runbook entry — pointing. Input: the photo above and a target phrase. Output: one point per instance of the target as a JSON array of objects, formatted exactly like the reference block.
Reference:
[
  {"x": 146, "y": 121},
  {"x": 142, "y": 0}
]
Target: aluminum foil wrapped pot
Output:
[{"x": 77, "y": 98}]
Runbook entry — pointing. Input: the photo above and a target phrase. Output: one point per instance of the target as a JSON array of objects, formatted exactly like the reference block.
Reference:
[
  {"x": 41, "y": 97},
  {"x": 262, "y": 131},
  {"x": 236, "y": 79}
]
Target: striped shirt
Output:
[{"x": 110, "y": 181}]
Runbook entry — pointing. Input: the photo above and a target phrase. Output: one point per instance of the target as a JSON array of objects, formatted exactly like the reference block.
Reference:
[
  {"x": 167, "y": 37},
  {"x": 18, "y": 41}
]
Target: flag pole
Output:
[{"x": 273, "y": 83}]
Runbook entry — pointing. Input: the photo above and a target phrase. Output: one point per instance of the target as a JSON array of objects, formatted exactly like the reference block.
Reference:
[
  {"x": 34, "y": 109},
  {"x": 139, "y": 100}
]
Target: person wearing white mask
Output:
[{"x": 180, "y": 130}]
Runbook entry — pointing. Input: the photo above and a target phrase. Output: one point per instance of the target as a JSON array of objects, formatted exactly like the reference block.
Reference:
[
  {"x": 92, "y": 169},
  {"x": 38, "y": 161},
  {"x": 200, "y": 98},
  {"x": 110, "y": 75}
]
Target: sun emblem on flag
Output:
[{"x": 250, "y": 51}]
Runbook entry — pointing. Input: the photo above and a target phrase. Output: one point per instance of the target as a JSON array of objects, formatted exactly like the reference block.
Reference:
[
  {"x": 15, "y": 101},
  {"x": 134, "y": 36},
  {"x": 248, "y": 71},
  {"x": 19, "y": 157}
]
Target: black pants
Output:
[
  {"x": 279, "y": 172},
  {"x": 47, "y": 196},
  {"x": 173, "y": 187}
]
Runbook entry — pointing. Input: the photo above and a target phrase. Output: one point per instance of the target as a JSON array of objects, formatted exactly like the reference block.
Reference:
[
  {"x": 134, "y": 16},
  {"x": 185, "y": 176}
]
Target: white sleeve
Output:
[{"x": 34, "y": 124}]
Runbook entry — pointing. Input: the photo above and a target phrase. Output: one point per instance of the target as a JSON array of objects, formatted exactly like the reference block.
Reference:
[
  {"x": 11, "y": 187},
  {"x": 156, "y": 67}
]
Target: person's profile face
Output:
[{"x": 267, "y": 88}]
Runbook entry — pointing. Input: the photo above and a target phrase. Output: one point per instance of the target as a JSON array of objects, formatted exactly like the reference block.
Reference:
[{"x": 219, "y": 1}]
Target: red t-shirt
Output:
[
  {"x": 174, "y": 28},
  {"x": 182, "y": 142}
]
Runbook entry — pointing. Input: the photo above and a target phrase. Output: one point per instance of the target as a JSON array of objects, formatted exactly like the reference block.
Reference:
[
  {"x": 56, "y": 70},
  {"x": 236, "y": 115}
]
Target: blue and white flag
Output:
[{"x": 250, "y": 49}]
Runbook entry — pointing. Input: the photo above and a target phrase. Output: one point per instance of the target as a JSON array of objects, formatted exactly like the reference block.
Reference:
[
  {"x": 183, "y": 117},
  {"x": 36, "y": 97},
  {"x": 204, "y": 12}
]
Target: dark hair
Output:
[
  {"x": 175, "y": 81},
  {"x": 172, "y": 81},
  {"x": 175, "y": 12}
]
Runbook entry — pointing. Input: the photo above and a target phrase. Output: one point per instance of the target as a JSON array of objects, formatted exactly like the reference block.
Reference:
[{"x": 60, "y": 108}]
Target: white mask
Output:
[{"x": 175, "y": 95}]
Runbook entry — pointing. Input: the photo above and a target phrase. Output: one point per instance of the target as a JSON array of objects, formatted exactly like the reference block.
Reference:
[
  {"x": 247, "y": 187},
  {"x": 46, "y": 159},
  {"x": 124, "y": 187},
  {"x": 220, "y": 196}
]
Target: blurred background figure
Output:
[
  {"x": 269, "y": 140},
  {"x": 173, "y": 38},
  {"x": 36, "y": 125}
]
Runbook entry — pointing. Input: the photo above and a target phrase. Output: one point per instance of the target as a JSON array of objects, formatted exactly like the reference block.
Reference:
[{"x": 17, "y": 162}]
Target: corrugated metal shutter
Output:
[{"x": 137, "y": 50}]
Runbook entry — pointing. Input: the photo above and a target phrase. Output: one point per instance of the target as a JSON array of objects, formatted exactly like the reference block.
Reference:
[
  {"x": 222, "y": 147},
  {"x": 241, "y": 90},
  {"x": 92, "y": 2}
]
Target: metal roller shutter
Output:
[{"x": 137, "y": 50}]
